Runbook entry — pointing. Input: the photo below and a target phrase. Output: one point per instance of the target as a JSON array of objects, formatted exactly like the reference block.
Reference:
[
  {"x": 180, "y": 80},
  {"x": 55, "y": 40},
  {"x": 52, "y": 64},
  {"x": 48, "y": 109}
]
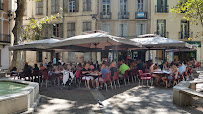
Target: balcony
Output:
[
  {"x": 140, "y": 15},
  {"x": 185, "y": 36},
  {"x": 162, "y": 9},
  {"x": 123, "y": 15},
  {"x": 105, "y": 15},
  {"x": 5, "y": 38},
  {"x": 166, "y": 34}
]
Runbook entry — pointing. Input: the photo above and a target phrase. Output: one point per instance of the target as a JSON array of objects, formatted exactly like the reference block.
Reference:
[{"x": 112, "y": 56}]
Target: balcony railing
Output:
[
  {"x": 123, "y": 15},
  {"x": 140, "y": 15},
  {"x": 105, "y": 15},
  {"x": 162, "y": 9},
  {"x": 185, "y": 36},
  {"x": 5, "y": 38},
  {"x": 166, "y": 34}
]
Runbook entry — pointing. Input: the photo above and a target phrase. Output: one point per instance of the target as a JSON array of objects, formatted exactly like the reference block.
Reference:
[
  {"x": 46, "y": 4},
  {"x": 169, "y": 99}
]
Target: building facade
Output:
[
  {"x": 124, "y": 18},
  {"x": 173, "y": 25},
  {"x": 5, "y": 13}
]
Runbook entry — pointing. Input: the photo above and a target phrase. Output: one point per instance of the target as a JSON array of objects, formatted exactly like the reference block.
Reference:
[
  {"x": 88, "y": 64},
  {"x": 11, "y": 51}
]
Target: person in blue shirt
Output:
[
  {"x": 54, "y": 61},
  {"x": 103, "y": 72},
  {"x": 181, "y": 68}
]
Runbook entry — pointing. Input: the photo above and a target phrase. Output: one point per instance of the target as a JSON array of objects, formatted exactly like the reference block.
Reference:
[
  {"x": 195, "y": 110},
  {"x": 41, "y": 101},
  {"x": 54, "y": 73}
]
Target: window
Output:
[
  {"x": 162, "y": 6},
  {"x": 123, "y": 30},
  {"x": 140, "y": 29},
  {"x": 39, "y": 56},
  {"x": 106, "y": 27},
  {"x": 54, "y": 6},
  {"x": 71, "y": 6},
  {"x": 140, "y": 5},
  {"x": 87, "y": 26},
  {"x": 39, "y": 7},
  {"x": 184, "y": 29},
  {"x": 71, "y": 29},
  {"x": 123, "y": 6},
  {"x": 106, "y": 7},
  {"x": 87, "y": 4},
  {"x": 161, "y": 27},
  {"x": 58, "y": 30}
]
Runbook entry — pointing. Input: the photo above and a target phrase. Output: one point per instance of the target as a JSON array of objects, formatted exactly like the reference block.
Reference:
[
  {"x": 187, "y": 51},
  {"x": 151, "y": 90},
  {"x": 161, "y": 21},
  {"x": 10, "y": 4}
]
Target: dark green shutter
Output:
[
  {"x": 166, "y": 9},
  {"x": 164, "y": 28},
  {"x": 158, "y": 5},
  {"x": 157, "y": 28}
]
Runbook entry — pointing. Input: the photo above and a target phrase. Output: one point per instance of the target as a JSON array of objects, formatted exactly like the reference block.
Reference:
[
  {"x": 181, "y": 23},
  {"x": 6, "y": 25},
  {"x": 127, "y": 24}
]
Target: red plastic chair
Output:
[
  {"x": 144, "y": 76},
  {"x": 115, "y": 78},
  {"x": 133, "y": 73},
  {"x": 125, "y": 76},
  {"x": 45, "y": 77},
  {"x": 106, "y": 79},
  {"x": 77, "y": 77}
]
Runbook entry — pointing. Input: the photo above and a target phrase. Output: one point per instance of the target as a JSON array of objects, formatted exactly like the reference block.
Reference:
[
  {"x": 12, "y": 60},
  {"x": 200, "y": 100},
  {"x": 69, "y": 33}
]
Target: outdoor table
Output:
[
  {"x": 94, "y": 74},
  {"x": 162, "y": 72}
]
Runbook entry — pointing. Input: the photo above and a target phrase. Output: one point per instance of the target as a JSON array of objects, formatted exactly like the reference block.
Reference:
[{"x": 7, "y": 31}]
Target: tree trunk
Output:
[{"x": 18, "y": 32}]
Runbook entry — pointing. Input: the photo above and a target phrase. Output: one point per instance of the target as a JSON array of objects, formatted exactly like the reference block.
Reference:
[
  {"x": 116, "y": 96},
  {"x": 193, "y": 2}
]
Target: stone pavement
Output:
[{"x": 130, "y": 99}]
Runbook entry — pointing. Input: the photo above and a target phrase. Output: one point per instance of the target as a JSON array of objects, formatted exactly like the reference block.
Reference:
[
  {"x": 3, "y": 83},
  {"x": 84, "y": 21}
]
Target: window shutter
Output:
[
  {"x": 57, "y": 6},
  {"x": 166, "y": 6},
  {"x": 76, "y": 5},
  {"x": 120, "y": 30},
  {"x": 125, "y": 30},
  {"x": 138, "y": 26},
  {"x": 144, "y": 28},
  {"x": 65, "y": 5},
  {"x": 157, "y": 30},
  {"x": 84, "y": 5},
  {"x": 164, "y": 28},
  {"x": 158, "y": 6},
  {"x": 89, "y": 5},
  {"x": 61, "y": 30},
  {"x": 144, "y": 6}
]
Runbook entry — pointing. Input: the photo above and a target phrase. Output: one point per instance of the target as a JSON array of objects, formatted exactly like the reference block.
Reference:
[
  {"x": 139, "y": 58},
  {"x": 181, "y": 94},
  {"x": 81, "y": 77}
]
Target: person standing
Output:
[
  {"x": 54, "y": 60},
  {"x": 45, "y": 62}
]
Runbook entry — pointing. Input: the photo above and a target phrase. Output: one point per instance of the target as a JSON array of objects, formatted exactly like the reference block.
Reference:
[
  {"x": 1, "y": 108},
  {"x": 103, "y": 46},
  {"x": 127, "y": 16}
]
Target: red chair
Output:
[
  {"x": 77, "y": 77},
  {"x": 144, "y": 76},
  {"x": 85, "y": 80},
  {"x": 115, "y": 78},
  {"x": 125, "y": 76},
  {"x": 133, "y": 73},
  {"x": 45, "y": 77},
  {"x": 106, "y": 79},
  {"x": 35, "y": 74},
  {"x": 27, "y": 74}
]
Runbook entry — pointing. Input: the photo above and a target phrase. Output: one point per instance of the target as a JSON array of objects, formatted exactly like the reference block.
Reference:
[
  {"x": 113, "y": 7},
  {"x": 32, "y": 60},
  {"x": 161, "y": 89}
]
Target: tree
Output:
[
  {"x": 17, "y": 30},
  {"x": 193, "y": 10},
  {"x": 30, "y": 31},
  {"x": 34, "y": 30}
]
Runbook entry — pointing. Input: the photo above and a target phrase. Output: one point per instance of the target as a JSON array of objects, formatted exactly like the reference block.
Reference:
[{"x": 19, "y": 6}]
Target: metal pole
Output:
[
  {"x": 164, "y": 54},
  {"x": 149, "y": 54}
]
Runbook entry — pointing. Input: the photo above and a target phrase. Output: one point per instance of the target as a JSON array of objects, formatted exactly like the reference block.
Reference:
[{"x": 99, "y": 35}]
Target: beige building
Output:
[
  {"x": 5, "y": 20},
  {"x": 173, "y": 25},
  {"x": 124, "y": 18}
]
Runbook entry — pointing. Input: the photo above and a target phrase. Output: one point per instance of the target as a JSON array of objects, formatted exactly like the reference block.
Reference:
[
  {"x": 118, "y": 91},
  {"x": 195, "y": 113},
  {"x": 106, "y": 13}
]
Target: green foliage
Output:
[
  {"x": 193, "y": 10},
  {"x": 34, "y": 30}
]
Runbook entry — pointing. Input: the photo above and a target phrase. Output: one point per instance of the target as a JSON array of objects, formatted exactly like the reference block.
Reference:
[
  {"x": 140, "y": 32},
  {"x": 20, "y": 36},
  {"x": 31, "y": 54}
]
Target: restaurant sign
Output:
[{"x": 195, "y": 43}]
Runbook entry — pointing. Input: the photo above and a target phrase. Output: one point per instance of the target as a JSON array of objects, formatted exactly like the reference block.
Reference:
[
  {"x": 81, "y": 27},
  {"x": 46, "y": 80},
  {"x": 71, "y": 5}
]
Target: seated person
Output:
[
  {"x": 164, "y": 66},
  {"x": 86, "y": 71},
  {"x": 181, "y": 68},
  {"x": 154, "y": 68},
  {"x": 42, "y": 67},
  {"x": 66, "y": 75},
  {"x": 173, "y": 76},
  {"x": 103, "y": 73},
  {"x": 113, "y": 68},
  {"x": 123, "y": 67},
  {"x": 36, "y": 68},
  {"x": 49, "y": 66}
]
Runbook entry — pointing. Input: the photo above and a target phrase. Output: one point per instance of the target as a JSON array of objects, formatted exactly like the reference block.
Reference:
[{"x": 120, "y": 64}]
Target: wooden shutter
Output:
[
  {"x": 166, "y": 10},
  {"x": 144, "y": 28},
  {"x": 120, "y": 30},
  {"x": 76, "y": 5},
  {"x": 66, "y": 5},
  {"x": 61, "y": 30},
  {"x": 144, "y": 5},
  {"x": 164, "y": 28},
  {"x": 84, "y": 5},
  {"x": 157, "y": 28},
  {"x": 89, "y": 5}
]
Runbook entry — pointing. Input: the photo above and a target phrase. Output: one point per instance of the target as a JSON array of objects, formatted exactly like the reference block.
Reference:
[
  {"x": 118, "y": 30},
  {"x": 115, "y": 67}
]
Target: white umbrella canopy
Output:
[
  {"x": 34, "y": 45},
  {"x": 161, "y": 42},
  {"x": 94, "y": 42}
]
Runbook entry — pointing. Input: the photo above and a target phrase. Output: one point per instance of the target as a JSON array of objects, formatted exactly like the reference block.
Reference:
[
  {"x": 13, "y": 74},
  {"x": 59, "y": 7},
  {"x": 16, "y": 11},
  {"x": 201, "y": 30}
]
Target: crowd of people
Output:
[{"x": 175, "y": 68}]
